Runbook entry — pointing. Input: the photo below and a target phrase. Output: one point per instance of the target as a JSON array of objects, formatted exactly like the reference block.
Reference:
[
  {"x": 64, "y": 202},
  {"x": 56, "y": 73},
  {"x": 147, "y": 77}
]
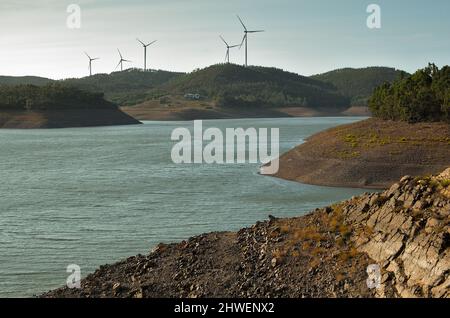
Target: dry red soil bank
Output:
[
  {"x": 65, "y": 118},
  {"x": 371, "y": 154},
  {"x": 191, "y": 110}
]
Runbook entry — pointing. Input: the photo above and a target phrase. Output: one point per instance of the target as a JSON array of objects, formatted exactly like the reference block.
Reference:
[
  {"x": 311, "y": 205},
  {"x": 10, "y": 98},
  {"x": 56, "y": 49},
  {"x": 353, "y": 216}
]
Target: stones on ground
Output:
[{"x": 274, "y": 262}]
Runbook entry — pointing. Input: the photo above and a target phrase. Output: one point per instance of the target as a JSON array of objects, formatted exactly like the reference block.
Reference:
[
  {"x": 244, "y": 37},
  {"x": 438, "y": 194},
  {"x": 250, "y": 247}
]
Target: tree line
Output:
[
  {"x": 50, "y": 96},
  {"x": 422, "y": 96}
]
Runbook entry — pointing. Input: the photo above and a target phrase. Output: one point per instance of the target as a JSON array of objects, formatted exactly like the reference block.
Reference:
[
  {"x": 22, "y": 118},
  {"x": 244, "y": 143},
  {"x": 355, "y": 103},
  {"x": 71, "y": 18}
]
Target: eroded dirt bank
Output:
[
  {"x": 369, "y": 154},
  {"x": 64, "y": 118}
]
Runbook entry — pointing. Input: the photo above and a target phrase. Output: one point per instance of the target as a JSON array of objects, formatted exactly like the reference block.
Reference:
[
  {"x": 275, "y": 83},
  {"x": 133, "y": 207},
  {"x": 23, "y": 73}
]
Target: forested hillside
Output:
[
  {"x": 24, "y": 80},
  {"x": 236, "y": 86},
  {"x": 229, "y": 85},
  {"x": 127, "y": 87},
  {"x": 358, "y": 84},
  {"x": 50, "y": 96}
]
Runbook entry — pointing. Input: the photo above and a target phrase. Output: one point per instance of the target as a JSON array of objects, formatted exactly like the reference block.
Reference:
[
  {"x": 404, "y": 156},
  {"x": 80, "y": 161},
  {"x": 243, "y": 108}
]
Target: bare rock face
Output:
[{"x": 406, "y": 230}]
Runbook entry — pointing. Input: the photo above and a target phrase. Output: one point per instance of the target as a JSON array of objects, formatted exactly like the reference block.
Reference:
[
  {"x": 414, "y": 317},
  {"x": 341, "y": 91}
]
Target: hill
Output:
[
  {"x": 24, "y": 80},
  {"x": 402, "y": 234},
  {"x": 359, "y": 84},
  {"x": 232, "y": 85},
  {"x": 56, "y": 106},
  {"x": 230, "y": 91},
  {"x": 127, "y": 87},
  {"x": 49, "y": 96}
]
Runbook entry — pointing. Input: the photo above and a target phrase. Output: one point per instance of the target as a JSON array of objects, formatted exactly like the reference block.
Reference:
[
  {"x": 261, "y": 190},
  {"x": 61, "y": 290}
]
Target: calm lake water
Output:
[{"x": 90, "y": 196}]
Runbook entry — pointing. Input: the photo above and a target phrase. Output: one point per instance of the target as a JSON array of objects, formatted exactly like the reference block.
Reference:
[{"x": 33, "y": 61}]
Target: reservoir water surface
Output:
[{"x": 90, "y": 196}]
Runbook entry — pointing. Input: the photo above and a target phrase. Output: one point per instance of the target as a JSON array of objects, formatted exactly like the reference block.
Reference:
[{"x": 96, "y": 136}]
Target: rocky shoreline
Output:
[{"x": 405, "y": 231}]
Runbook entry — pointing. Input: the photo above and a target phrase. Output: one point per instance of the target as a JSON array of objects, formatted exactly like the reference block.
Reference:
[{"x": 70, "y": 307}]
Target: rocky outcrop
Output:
[
  {"x": 403, "y": 231},
  {"x": 406, "y": 230}
]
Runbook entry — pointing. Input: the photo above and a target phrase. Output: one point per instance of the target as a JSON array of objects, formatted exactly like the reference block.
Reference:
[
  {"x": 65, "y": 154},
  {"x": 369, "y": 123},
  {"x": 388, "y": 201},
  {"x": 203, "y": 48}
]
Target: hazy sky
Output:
[{"x": 303, "y": 36}]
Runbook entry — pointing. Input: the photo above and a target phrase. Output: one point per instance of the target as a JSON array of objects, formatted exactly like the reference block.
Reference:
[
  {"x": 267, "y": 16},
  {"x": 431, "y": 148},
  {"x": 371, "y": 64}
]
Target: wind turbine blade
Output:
[
  {"x": 118, "y": 65},
  {"x": 119, "y": 53},
  {"x": 141, "y": 42},
  {"x": 126, "y": 61},
  {"x": 243, "y": 39},
  {"x": 94, "y": 59},
  {"x": 87, "y": 55},
  {"x": 152, "y": 43},
  {"x": 223, "y": 40},
  {"x": 257, "y": 31},
  {"x": 245, "y": 28},
  {"x": 233, "y": 46}
]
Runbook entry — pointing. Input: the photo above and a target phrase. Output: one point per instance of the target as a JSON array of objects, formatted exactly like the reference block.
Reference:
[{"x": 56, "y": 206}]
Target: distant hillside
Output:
[
  {"x": 50, "y": 96},
  {"x": 359, "y": 84},
  {"x": 233, "y": 86},
  {"x": 236, "y": 86},
  {"x": 127, "y": 87},
  {"x": 24, "y": 80},
  {"x": 56, "y": 105}
]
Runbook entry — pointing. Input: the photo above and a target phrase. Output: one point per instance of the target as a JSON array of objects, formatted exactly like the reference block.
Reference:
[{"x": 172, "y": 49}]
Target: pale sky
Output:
[{"x": 302, "y": 36}]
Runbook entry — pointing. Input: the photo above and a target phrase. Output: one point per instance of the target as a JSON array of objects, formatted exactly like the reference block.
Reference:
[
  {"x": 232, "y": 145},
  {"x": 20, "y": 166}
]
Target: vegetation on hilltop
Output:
[
  {"x": 24, "y": 80},
  {"x": 50, "y": 96},
  {"x": 236, "y": 86},
  {"x": 233, "y": 86},
  {"x": 127, "y": 87},
  {"x": 422, "y": 96},
  {"x": 359, "y": 84}
]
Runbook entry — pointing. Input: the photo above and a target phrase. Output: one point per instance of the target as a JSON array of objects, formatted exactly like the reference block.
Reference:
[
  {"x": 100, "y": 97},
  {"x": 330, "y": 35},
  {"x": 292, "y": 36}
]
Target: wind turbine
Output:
[
  {"x": 245, "y": 38},
  {"x": 121, "y": 61},
  {"x": 145, "y": 52},
  {"x": 90, "y": 62},
  {"x": 227, "y": 56}
]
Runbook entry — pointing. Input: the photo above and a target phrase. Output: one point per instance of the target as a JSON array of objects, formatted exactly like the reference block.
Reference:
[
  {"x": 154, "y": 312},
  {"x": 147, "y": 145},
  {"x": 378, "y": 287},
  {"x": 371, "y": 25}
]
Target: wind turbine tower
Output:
[
  {"x": 90, "y": 62},
  {"x": 227, "y": 56},
  {"x": 245, "y": 38},
  {"x": 121, "y": 61},
  {"x": 145, "y": 51}
]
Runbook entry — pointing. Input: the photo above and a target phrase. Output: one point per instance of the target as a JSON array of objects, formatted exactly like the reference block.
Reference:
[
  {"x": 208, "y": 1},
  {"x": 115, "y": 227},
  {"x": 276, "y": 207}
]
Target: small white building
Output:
[{"x": 192, "y": 96}]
